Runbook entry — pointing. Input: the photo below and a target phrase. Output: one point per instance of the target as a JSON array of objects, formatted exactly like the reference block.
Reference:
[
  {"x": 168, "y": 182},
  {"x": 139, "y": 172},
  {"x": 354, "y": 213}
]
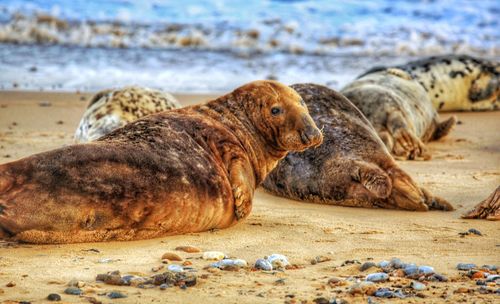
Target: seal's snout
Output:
[{"x": 310, "y": 135}]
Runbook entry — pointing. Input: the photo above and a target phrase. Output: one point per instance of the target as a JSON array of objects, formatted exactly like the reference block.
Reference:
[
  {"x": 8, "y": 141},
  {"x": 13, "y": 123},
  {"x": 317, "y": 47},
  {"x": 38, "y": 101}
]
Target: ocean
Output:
[{"x": 214, "y": 46}]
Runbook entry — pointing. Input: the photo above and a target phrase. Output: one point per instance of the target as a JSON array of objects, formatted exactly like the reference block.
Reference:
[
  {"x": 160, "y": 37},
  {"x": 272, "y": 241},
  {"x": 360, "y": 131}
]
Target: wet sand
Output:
[{"x": 465, "y": 169}]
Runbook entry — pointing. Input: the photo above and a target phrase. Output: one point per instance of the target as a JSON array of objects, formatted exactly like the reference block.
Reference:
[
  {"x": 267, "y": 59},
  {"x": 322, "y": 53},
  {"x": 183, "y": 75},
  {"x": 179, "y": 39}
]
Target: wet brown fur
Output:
[
  {"x": 351, "y": 168},
  {"x": 400, "y": 110},
  {"x": 179, "y": 171}
]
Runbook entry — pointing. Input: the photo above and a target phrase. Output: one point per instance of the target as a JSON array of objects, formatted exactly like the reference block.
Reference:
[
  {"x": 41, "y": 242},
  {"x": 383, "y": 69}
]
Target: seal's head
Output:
[{"x": 280, "y": 116}]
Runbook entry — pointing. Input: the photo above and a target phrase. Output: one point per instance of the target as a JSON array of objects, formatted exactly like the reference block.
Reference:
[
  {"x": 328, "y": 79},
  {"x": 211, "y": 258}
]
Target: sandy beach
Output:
[{"x": 465, "y": 169}]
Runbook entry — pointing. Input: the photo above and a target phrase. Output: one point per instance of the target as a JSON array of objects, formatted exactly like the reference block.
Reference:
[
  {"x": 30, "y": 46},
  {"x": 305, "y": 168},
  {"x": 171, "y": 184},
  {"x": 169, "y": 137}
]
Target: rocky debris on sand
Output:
[
  {"x": 188, "y": 249},
  {"x": 54, "y": 297},
  {"x": 213, "y": 255},
  {"x": 116, "y": 295},
  {"x": 364, "y": 287},
  {"x": 388, "y": 293},
  {"x": 367, "y": 265},
  {"x": 170, "y": 278},
  {"x": 75, "y": 291},
  {"x": 350, "y": 262},
  {"x": 470, "y": 231},
  {"x": 278, "y": 260},
  {"x": 320, "y": 259}
]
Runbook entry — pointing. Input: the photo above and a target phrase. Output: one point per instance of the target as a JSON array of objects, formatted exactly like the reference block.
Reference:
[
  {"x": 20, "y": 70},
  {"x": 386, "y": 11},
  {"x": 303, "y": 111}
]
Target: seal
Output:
[
  {"x": 351, "y": 168},
  {"x": 179, "y": 171},
  {"x": 488, "y": 209},
  {"x": 400, "y": 110},
  {"x": 456, "y": 82},
  {"x": 111, "y": 109}
]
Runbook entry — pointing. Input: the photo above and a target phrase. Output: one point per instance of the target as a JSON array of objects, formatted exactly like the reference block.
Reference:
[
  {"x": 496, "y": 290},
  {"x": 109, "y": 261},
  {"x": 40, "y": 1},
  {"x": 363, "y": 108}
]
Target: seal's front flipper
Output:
[
  {"x": 406, "y": 144},
  {"x": 373, "y": 178},
  {"x": 435, "y": 202},
  {"x": 443, "y": 128},
  {"x": 241, "y": 187},
  {"x": 488, "y": 209},
  {"x": 405, "y": 193}
]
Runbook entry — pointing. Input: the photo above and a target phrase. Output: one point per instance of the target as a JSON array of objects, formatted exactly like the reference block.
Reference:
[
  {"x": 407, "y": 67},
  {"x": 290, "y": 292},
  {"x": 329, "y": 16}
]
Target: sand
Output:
[{"x": 465, "y": 169}]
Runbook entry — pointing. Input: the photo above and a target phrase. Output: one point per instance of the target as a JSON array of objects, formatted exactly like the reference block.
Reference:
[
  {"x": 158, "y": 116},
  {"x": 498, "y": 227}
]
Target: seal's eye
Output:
[{"x": 276, "y": 111}]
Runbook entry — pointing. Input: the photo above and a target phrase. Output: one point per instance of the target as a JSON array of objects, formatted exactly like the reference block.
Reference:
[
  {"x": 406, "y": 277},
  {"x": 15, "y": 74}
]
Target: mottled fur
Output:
[
  {"x": 111, "y": 109},
  {"x": 488, "y": 209},
  {"x": 351, "y": 168},
  {"x": 400, "y": 110},
  {"x": 456, "y": 82},
  {"x": 178, "y": 171}
]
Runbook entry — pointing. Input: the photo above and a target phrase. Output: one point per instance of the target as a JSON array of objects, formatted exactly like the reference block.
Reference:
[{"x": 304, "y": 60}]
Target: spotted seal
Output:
[
  {"x": 111, "y": 109},
  {"x": 488, "y": 209},
  {"x": 400, "y": 110},
  {"x": 455, "y": 82},
  {"x": 351, "y": 168},
  {"x": 184, "y": 170}
]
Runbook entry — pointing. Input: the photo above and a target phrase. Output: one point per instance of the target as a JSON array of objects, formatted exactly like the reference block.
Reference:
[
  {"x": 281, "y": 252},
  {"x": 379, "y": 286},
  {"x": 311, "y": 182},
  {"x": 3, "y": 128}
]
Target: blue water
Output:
[{"x": 262, "y": 38}]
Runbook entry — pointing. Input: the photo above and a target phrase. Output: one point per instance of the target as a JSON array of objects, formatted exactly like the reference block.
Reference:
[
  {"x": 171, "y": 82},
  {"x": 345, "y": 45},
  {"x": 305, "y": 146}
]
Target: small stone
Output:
[
  {"x": 474, "y": 231},
  {"x": 189, "y": 249},
  {"x": 158, "y": 268},
  {"x": 332, "y": 282},
  {"x": 263, "y": 265},
  {"x": 364, "y": 287},
  {"x": 418, "y": 286},
  {"x": 187, "y": 263},
  {"x": 426, "y": 269},
  {"x": 73, "y": 291},
  {"x": 171, "y": 256},
  {"x": 105, "y": 261},
  {"x": 462, "y": 290},
  {"x": 164, "y": 286},
  {"x": 399, "y": 273},
  {"x": 492, "y": 278},
  {"x": 278, "y": 260},
  {"x": 383, "y": 264},
  {"x": 384, "y": 293},
  {"x": 480, "y": 282},
  {"x": 116, "y": 295},
  {"x": 396, "y": 263},
  {"x": 230, "y": 264},
  {"x": 490, "y": 267},
  {"x": 478, "y": 275},
  {"x": 44, "y": 104},
  {"x": 320, "y": 259},
  {"x": 76, "y": 283},
  {"x": 279, "y": 282},
  {"x": 175, "y": 268},
  {"x": 377, "y": 277},
  {"x": 411, "y": 269},
  {"x": 213, "y": 255},
  {"x": 321, "y": 300},
  {"x": 466, "y": 266},
  {"x": 54, "y": 297},
  {"x": 350, "y": 262},
  {"x": 367, "y": 265},
  {"x": 438, "y": 277},
  {"x": 10, "y": 284}
]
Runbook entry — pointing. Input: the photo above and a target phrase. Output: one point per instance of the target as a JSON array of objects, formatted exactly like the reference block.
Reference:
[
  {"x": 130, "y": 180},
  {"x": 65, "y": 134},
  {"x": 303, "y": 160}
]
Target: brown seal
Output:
[
  {"x": 400, "y": 110},
  {"x": 184, "y": 170},
  {"x": 111, "y": 109},
  {"x": 488, "y": 209},
  {"x": 351, "y": 168}
]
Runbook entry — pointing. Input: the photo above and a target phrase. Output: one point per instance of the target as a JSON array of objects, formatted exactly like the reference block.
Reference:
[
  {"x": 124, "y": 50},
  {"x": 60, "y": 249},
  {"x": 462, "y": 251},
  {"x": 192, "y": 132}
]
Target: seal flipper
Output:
[
  {"x": 444, "y": 127},
  {"x": 406, "y": 144},
  {"x": 435, "y": 202},
  {"x": 373, "y": 178},
  {"x": 488, "y": 209},
  {"x": 405, "y": 193}
]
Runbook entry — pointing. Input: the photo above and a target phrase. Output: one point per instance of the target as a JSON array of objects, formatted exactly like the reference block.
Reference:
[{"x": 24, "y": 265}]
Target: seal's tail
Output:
[{"x": 444, "y": 127}]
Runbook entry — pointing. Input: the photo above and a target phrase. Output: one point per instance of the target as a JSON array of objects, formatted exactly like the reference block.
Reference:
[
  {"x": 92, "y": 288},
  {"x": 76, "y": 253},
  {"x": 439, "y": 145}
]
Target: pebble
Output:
[
  {"x": 396, "y": 263},
  {"x": 76, "y": 283},
  {"x": 189, "y": 249},
  {"x": 116, "y": 295},
  {"x": 418, "y": 286},
  {"x": 278, "y": 260},
  {"x": 213, "y": 255},
  {"x": 230, "y": 264},
  {"x": 105, "y": 261},
  {"x": 263, "y": 265},
  {"x": 466, "y": 266},
  {"x": 320, "y": 259},
  {"x": 383, "y": 264},
  {"x": 474, "y": 231},
  {"x": 384, "y": 293},
  {"x": 54, "y": 297},
  {"x": 280, "y": 282},
  {"x": 411, "y": 269},
  {"x": 367, "y": 265},
  {"x": 335, "y": 282},
  {"x": 73, "y": 291},
  {"x": 175, "y": 268},
  {"x": 364, "y": 287},
  {"x": 164, "y": 286},
  {"x": 490, "y": 267},
  {"x": 462, "y": 290},
  {"x": 426, "y": 269},
  {"x": 492, "y": 278},
  {"x": 171, "y": 256},
  {"x": 10, "y": 284},
  {"x": 478, "y": 275},
  {"x": 377, "y": 277},
  {"x": 438, "y": 277},
  {"x": 480, "y": 282}
]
